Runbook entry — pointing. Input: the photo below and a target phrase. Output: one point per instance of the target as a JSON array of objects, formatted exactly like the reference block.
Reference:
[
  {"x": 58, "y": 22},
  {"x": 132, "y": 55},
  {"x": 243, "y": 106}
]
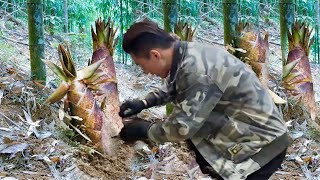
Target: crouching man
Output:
[{"x": 220, "y": 107}]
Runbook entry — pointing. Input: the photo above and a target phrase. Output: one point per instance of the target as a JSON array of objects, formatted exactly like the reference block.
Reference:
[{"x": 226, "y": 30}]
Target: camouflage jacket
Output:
[{"x": 220, "y": 105}]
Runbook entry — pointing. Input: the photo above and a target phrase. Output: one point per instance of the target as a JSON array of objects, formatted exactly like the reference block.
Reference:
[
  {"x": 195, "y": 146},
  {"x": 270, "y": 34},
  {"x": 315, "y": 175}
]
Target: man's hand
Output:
[
  {"x": 136, "y": 129},
  {"x": 132, "y": 107}
]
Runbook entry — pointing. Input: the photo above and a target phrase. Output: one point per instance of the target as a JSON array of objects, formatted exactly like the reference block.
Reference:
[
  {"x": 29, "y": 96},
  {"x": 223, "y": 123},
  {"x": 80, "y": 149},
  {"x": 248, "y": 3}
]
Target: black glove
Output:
[
  {"x": 132, "y": 107},
  {"x": 136, "y": 129}
]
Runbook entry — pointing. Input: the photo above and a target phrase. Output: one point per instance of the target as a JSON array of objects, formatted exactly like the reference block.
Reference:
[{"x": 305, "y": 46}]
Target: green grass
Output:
[
  {"x": 314, "y": 134},
  {"x": 7, "y": 52}
]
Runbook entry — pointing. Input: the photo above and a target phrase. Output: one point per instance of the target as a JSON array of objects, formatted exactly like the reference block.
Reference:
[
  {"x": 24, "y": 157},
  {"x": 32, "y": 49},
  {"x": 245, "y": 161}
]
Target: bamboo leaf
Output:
[
  {"x": 94, "y": 77},
  {"x": 276, "y": 99},
  {"x": 89, "y": 70},
  {"x": 70, "y": 64},
  {"x": 114, "y": 80},
  {"x": 291, "y": 76},
  {"x": 64, "y": 62},
  {"x": 288, "y": 68},
  {"x": 309, "y": 45},
  {"x": 57, "y": 70},
  {"x": 95, "y": 87},
  {"x": 58, "y": 94},
  {"x": 103, "y": 104}
]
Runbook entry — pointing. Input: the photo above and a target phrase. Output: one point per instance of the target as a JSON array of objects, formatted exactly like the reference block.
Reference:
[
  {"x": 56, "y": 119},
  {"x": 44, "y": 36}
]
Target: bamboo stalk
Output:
[
  {"x": 317, "y": 21},
  {"x": 230, "y": 20},
  {"x": 170, "y": 14},
  {"x": 36, "y": 40},
  {"x": 286, "y": 8}
]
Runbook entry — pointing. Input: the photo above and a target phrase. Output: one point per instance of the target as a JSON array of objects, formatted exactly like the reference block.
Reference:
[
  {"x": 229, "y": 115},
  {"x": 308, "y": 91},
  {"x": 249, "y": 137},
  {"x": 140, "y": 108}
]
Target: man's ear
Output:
[{"x": 155, "y": 53}]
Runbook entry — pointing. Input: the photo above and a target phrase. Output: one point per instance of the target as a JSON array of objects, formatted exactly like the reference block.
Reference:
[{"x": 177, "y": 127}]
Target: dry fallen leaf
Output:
[
  {"x": 3, "y": 174},
  {"x": 6, "y": 132},
  {"x": 55, "y": 159},
  {"x": 15, "y": 148},
  {"x": 296, "y": 134},
  {"x": 11, "y": 70},
  {"x": 41, "y": 86},
  {"x": 7, "y": 140},
  {"x": 33, "y": 125},
  {"x": 307, "y": 159}
]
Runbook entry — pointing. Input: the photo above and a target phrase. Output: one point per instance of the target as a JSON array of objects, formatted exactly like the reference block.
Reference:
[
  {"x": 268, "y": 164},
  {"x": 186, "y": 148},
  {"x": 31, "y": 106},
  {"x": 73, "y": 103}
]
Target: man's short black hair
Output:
[{"x": 143, "y": 36}]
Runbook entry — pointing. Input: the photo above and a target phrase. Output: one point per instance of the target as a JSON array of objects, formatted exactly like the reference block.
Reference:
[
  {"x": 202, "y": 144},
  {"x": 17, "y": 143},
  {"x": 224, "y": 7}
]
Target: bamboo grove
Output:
[{"x": 91, "y": 93}]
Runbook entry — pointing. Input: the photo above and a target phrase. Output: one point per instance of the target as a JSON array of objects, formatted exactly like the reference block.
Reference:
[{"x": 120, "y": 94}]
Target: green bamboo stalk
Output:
[
  {"x": 286, "y": 8},
  {"x": 134, "y": 5},
  {"x": 121, "y": 29},
  {"x": 128, "y": 21},
  {"x": 317, "y": 44},
  {"x": 10, "y": 6},
  {"x": 51, "y": 24},
  {"x": 205, "y": 7},
  {"x": 145, "y": 6},
  {"x": 170, "y": 14},
  {"x": 65, "y": 15},
  {"x": 230, "y": 20},
  {"x": 317, "y": 21},
  {"x": 36, "y": 40},
  {"x": 170, "y": 18},
  {"x": 257, "y": 13}
]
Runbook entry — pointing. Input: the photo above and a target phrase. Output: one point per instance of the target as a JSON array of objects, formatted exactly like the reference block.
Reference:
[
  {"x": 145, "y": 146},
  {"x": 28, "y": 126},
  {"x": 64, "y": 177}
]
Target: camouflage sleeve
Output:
[
  {"x": 196, "y": 98},
  {"x": 158, "y": 97}
]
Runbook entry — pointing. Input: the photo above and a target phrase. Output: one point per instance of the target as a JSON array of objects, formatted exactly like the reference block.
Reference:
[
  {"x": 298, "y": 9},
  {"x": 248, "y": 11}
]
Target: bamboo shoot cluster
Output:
[
  {"x": 256, "y": 50},
  {"x": 297, "y": 78},
  {"x": 184, "y": 31},
  {"x": 91, "y": 93}
]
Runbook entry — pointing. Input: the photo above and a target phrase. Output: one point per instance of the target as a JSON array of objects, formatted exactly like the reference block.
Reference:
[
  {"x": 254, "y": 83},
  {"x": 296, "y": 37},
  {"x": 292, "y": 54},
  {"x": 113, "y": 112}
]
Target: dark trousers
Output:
[{"x": 263, "y": 173}]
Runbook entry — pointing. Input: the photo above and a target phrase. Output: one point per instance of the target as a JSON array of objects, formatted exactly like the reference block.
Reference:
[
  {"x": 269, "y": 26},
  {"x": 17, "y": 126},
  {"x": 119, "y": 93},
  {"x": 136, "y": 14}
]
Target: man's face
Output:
[{"x": 154, "y": 65}]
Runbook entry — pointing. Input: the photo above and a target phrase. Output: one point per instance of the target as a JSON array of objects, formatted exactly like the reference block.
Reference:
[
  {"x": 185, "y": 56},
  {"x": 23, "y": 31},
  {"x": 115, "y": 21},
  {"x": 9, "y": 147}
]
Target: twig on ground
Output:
[
  {"x": 14, "y": 41},
  {"x": 311, "y": 122},
  {"x": 6, "y": 117}
]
